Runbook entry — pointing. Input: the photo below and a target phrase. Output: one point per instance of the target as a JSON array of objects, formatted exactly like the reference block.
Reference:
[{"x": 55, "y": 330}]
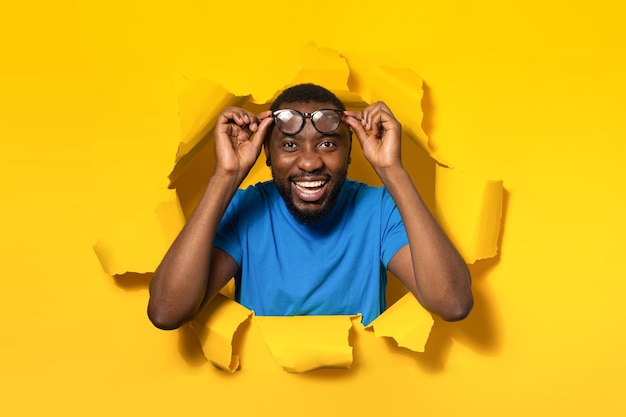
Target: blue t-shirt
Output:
[{"x": 335, "y": 267}]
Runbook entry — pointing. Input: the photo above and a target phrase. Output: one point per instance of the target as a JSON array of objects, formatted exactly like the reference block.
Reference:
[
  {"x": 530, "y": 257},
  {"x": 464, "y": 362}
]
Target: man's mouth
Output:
[{"x": 310, "y": 191}]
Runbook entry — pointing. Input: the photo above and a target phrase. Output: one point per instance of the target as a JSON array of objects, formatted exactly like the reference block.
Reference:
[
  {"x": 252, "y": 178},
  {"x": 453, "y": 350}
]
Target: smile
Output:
[{"x": 310, "y": 191}]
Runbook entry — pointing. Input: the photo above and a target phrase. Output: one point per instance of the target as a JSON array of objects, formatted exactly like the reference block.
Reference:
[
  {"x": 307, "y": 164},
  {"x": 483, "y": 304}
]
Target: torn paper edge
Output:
[
  {"x": 475, "y": 230},
  {"x": 306, "y": 343},
  {"x": 408, "y": 87},
  {"x": 413, "y": 331},
  {"x": 216, "y": 327}
]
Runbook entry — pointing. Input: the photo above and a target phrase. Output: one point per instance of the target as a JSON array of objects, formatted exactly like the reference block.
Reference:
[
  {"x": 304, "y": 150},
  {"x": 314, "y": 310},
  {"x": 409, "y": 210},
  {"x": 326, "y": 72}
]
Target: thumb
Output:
[
  {"x": 261, "y": 132},
  {"x": 358, "y": 129}
]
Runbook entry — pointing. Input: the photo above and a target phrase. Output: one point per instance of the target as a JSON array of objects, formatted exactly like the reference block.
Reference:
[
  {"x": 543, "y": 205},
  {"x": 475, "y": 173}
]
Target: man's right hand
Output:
[{"x": 239, "y": 136}]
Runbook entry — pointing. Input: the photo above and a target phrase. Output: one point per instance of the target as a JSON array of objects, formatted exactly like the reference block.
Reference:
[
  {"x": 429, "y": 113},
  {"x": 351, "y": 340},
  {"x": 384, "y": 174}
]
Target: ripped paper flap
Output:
[
  {"x": 305, "y": 343},
  {"x": 469, "y": 209},
  {"x": 216, "y": 327},
  {"x": 407, "y": 322}
]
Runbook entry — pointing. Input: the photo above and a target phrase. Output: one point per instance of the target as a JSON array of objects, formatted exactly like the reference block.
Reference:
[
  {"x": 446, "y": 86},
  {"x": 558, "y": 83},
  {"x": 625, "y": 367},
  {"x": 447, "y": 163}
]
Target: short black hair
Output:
[{"x": 306, "y": 93}]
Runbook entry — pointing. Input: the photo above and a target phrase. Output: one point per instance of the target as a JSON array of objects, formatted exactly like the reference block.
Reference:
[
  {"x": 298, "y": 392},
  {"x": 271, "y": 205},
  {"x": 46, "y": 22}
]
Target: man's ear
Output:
[
  {"x": 350, "y": 150},
  {"x": 268, "y": 160}
]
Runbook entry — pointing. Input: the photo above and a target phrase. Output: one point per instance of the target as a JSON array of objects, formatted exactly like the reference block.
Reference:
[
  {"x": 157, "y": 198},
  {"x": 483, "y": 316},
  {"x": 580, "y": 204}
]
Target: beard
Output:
[{"x": 314, "y": 215}]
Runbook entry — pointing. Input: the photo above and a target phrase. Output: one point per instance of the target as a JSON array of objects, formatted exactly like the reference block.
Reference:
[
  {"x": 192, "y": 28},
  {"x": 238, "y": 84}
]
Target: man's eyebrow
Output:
[
  {"x": 319, "y": 136},
  {"x": 286, "y": 136}
]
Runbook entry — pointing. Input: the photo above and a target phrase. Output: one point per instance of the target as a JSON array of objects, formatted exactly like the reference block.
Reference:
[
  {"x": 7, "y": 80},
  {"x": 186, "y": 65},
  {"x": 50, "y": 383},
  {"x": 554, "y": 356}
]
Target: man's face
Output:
[{"x": 309, "y": 168}]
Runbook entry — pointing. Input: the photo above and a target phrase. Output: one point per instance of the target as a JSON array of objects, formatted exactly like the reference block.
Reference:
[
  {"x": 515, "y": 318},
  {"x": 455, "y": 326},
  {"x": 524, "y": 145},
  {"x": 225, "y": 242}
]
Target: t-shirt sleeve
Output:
[
  {"x": 393, "y": 233},
  {"x": 227, "y": 237}
]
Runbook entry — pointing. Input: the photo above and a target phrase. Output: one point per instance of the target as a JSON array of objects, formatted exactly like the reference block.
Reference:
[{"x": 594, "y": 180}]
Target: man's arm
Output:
[
  {"x": 193, "y": 271},
  {"x": 429, "y": 265}
]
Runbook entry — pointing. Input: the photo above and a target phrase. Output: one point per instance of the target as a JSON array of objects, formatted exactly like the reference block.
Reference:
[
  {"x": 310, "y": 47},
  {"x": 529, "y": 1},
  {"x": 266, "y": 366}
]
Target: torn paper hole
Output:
[{"x": 468, "y": 208}]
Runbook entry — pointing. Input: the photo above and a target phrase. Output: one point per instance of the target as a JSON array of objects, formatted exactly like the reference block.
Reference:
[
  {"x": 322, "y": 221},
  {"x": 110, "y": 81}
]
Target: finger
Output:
[
  {"x": 376, "y": 113},
  {"x": 355, "y": 114},
  {"x": 372, "y": 120},
  {"x": 259, "y": 118},
  {"x": 380, "y": 120},
  {"x": 357, "y": 128},
  {"x": 261, "y": 133},
  {"x": 238, "y": 116},
  {"x": 264, "y": 115}
]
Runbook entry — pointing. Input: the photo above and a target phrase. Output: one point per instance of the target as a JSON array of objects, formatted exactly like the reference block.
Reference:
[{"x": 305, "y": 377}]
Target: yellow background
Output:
[{"x": 530, "y": 92}]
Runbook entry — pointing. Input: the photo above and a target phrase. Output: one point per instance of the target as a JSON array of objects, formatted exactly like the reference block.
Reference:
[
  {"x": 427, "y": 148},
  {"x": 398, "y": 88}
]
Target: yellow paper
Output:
[
  {"x": 216, "y": 327},
  {"x": 306, "y": 343},
  {"x": 139, "y": 243},
  {"x": 201, "y": 102},
  {"x": 529, "y": 92},
  {"x": 402, "y": 90},
  {"x": 407, "y": 322},
  {"x": 325, "y": 67},
  {"x": 469, "y": 209}
]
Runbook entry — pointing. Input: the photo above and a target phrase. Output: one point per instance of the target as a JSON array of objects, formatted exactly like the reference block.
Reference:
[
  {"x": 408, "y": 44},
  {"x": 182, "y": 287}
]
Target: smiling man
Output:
[
  {"x": 310, "y": 241},
  {"x": 310, "y": 163}
]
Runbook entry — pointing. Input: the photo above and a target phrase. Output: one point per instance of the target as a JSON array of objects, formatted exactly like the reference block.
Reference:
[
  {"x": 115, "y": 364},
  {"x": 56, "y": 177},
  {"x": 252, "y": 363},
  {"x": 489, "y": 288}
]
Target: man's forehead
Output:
[{"x": 309, "y": 105}]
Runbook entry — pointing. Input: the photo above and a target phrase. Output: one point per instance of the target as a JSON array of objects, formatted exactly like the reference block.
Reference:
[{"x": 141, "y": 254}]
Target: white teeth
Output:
[{"x": 309, "y": 184}]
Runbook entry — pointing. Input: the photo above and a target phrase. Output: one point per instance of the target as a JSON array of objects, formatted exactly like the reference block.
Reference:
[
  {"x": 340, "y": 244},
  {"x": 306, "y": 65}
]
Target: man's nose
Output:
[{"x": 310, "y": 159}]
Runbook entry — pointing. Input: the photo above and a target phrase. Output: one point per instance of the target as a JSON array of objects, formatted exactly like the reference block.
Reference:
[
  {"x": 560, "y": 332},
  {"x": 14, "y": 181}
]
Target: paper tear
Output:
[
  {"x": 402, "y": 90},
  {"x": 324, "y": 66},
  {"x": 139, "y": 243},
  {"x": 407, "y": 322},
  {"x": 201, "y": 102},
  {"x": 469, "y": 209},
  {"x": 305, "y": 343},
  {"x": 216, "y": 327}
]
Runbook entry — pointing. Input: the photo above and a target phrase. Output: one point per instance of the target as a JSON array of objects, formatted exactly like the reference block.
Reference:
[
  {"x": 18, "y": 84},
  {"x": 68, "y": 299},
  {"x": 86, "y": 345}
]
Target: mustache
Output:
[{"x": 308, "y": 175}]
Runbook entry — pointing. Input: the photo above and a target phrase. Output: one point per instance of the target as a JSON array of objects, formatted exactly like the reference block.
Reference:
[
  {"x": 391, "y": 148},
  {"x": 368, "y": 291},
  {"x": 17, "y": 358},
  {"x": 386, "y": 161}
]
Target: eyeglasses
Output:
[{"x": 291, "y": 121}]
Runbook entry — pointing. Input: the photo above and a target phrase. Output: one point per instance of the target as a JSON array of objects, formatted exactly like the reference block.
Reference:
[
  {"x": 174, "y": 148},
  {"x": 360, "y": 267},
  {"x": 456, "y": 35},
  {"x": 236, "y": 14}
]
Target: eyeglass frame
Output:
[{"x": 307, "y": 115}]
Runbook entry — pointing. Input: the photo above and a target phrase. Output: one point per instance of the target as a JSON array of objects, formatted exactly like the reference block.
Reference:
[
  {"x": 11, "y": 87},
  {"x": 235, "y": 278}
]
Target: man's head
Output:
[
  {"x": 309, "y": 166},
  {"x": 306, "y": 93}
]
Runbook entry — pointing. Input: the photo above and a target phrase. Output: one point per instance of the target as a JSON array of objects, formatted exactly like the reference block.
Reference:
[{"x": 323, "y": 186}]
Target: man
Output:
[{"x": 310, "y": 241}]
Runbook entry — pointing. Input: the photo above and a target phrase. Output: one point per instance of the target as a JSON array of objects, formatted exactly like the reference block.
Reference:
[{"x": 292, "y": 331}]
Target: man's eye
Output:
[
  {"x": 289, "y": 145},
  {"x": 327, "y": 144}
]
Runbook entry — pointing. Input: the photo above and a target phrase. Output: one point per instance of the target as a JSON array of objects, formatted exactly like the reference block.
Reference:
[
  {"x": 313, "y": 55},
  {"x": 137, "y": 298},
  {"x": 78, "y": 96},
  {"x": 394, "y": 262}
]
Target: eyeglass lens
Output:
[{"x": 292, "y": 121}]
